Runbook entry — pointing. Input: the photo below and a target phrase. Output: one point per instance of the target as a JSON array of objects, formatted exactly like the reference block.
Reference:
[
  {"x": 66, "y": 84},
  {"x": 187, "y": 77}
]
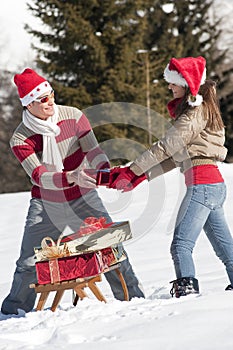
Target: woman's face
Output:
[{"x": 178, "y": 91}]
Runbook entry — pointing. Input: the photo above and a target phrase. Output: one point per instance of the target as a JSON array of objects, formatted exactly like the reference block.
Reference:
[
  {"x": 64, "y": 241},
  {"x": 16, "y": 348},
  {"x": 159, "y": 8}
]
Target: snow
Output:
[{"x": 157, "y": 322}]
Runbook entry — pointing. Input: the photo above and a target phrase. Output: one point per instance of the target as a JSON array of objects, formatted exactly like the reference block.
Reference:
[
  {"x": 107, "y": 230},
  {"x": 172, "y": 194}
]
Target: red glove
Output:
[{"x": 124, "y": 179}]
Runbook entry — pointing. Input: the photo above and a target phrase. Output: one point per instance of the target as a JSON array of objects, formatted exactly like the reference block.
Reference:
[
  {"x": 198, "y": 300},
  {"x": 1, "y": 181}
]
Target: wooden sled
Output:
[{"x": 78, "y": 286}]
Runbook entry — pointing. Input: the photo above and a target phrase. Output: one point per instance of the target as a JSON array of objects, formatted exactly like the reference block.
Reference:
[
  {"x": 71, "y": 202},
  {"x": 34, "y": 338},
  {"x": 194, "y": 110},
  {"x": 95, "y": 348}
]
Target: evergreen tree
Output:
[
  {"x": 92, "y": 52},
  {"x": 12, "y": 175},
  {"x": 180, "y": 28},
  {"x": 90, "y": 47},
  {"x": 100, "y": 51},
  {"x": 224, "y": 75}
]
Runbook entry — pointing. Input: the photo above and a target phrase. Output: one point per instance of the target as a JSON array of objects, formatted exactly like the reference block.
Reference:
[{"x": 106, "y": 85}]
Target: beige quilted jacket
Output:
[{"x": 187, "y": 142}]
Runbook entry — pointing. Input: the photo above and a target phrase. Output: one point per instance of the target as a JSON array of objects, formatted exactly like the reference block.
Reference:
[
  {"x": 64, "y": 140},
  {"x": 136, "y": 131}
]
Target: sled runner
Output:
[{"x": 77, "y": 286}]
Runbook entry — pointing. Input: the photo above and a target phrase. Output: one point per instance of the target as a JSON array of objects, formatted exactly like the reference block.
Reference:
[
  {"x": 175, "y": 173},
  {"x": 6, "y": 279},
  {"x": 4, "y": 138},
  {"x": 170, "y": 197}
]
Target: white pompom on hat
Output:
[
  {"x": 30, "y": 86},
  {"x": 190, "y": 72}
]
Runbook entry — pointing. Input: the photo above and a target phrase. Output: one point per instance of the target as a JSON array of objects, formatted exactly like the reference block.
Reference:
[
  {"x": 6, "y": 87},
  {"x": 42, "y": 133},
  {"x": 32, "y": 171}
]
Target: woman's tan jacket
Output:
[{"x": 188, "y": 142}]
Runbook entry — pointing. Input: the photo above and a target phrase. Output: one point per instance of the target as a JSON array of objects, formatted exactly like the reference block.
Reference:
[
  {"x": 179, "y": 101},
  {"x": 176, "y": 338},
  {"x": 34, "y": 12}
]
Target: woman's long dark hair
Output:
[{"x": 210, "y": 104}]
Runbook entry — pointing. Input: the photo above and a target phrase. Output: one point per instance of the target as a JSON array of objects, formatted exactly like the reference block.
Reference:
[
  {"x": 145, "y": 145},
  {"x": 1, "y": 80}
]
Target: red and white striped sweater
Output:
[{"x": 76, "y": 141}]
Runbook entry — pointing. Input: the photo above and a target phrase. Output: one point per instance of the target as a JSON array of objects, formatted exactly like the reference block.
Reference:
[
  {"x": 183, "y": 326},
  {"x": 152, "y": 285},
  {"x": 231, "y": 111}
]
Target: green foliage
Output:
[
  {"x": 224, "y": 75},
  {"x": 90, "y": 49},
  {"x": 97, "y": 54},
  {"x": 12, "y": 175}
]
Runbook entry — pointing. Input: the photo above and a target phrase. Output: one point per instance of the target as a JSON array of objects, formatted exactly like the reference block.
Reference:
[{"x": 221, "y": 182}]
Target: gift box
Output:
[
  {"x": 72, "y": 267},
  {"x": 88, "y": 252},
  {"x": 93, "y": 236},
  {"x": 112, "y": 255}
]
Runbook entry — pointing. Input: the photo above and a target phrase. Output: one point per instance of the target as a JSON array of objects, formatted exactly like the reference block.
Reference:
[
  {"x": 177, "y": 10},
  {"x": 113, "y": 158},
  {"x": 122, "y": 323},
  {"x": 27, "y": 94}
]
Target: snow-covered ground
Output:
[{"x": 156, "y": 322}]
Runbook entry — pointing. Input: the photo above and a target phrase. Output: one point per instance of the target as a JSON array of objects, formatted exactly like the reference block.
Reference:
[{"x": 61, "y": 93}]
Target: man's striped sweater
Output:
[{"x": 76, "y": 142}]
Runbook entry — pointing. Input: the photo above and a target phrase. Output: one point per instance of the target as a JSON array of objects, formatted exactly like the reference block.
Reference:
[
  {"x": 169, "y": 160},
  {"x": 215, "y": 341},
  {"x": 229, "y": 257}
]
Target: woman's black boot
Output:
[{"x": 184, "y": 286}]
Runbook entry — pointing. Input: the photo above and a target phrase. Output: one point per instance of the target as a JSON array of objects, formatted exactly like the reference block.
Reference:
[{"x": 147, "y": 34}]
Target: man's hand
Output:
[
  {"x": 82, "y": 177},
  {"x": 124, "y": 179}
]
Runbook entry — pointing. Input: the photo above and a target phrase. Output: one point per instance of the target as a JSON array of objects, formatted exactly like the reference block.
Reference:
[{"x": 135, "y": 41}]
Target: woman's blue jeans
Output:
[{"x": 202, "y": 208}]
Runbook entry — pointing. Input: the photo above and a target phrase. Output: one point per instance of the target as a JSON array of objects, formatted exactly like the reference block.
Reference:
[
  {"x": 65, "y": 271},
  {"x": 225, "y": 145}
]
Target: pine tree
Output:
[
  {"x": 92, "y": 53},
  {"x": 181, "y": 28},
  {"x": 97, "y": 51},
  {"x": 89, "y": 50},
  {"x": 224, "y": 75},
  {"x": 12, "y": 175}
]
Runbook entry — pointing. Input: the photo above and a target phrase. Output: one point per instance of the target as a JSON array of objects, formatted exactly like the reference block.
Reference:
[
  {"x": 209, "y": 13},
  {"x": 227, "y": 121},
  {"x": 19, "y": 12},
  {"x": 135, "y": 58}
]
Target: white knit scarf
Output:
[{"x": 51, "y": 156}]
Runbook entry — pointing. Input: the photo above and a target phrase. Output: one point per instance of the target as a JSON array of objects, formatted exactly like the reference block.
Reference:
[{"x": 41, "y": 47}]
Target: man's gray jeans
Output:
[{"x": 50, "y": 219}]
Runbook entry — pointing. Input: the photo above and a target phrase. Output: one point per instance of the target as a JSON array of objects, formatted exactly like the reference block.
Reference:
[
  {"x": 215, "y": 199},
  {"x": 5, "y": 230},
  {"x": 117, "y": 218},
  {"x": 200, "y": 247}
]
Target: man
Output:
[{"x": 52, "y": 143}]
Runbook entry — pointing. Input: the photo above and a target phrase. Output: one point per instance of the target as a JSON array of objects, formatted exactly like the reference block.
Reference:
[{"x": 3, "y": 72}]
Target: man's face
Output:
[{"x": 43, "y": 106}]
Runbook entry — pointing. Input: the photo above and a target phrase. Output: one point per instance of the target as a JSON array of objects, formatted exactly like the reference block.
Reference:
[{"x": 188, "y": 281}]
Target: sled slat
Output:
[{"x": 77, "y": 286}]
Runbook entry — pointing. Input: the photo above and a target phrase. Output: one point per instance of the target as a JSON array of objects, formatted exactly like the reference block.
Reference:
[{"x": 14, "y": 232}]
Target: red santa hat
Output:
[
  {"x": 190, "y": 72},
  {"x": 30, "y": 86}
]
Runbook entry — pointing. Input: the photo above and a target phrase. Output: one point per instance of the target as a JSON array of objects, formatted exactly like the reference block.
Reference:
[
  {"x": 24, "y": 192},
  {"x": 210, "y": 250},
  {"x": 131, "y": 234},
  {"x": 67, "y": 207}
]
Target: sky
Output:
[
  {"x": 14, "y": 40},
  {"x": 202, "y": 321}
]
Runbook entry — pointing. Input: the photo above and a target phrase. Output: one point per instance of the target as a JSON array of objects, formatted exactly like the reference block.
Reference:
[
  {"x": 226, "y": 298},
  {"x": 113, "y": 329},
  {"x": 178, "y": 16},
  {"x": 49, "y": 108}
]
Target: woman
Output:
[{"x": 194, "y": 143}]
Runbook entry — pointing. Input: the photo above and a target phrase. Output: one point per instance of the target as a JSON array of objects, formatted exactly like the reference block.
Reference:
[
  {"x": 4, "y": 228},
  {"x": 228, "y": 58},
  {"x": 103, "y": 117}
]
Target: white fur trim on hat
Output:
[
  {"x": 195, "y": 101},
  {"x": 39, "y": 90},
  {"x": 173, "y": 77},
  {"x": 203, "y": 78}
]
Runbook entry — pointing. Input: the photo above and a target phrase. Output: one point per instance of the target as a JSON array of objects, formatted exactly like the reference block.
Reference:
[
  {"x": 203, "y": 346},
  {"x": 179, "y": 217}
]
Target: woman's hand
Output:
[{"x": 124, "y": 179}]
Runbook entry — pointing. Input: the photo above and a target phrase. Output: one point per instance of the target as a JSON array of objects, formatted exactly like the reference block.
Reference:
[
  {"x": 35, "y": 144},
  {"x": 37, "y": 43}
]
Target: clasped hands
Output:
[{"x": 119, "y": 178}]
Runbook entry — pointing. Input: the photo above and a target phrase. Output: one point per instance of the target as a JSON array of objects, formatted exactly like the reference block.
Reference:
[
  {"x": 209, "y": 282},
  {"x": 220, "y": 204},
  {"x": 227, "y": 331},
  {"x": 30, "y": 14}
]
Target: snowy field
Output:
[{"x": 202, "y": 322}]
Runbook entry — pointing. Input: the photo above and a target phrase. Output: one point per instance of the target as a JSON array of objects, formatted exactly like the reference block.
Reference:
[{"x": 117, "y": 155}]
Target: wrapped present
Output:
[
  {"x": 90, "y": 225},
  {"x": 112, "y": 255},
  {"x": 51, "y": 250},
  {"x": 59, "y": 265},
  {"x": 94, "y": 235},
  {"x": 88, "y": 252},
  {"x": 97, "y": 234},
  {"x": 71, "y": 267}
]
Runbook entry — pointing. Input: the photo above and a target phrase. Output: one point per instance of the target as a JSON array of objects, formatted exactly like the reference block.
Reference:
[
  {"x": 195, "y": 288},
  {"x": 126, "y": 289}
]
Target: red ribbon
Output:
[{"x": 92, "y": 224}]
